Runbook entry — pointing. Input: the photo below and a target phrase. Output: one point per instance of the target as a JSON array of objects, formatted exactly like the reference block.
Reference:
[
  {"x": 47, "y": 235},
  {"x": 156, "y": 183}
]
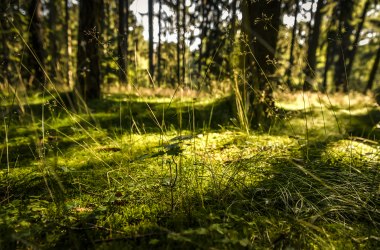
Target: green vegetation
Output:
[{"x": 152, "y": 173}]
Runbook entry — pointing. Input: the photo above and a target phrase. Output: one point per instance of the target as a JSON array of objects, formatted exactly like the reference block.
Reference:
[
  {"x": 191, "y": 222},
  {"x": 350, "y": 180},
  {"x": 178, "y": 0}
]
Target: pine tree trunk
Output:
[
  {"x": 69, "y": 73},
  {"x": 292, "y": 43},
  {"x": 345, "y": 29},
  {"x": 178, "y": 42},
  {"x": 4, "y": 71},
  {"x": 36, "y": 56},
  {"x": 352, "y": 53},
  {"x": 53, "y": 39},
  {"x": 372, "y": 75},
  {"x": 311, "y": 64},
  {"x": 184, "y": 42},
  {"x": 121, "y": 43},
  {"x": 260, "y": 45},
  {"x": 88, "y": 57},
  {"x": 150, "y": 21},
  {"x": 159, "y": 58}
]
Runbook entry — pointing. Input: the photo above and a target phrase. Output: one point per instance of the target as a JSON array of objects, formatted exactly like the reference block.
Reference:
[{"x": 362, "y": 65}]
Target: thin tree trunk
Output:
[
  {"x": 4, "y": 76},
  {"x": 331, "y": 48},
  {"x": 150, "y": 20},
  {"x": 372, "y": 75},
  {"x": 159, "y": 73},
  {"x": 292, "y": 43},
  {"x": 121, "y": 43},
  {"x": 126, "y": 40},
  {"x": 184, "y": 43},
  {"x": 69, "y": 73},
  {"x": 232, "y": 36},
  {"x": 345, "y": 28},
  {"x": 178, "y": 42},
  {"x": 315, "y": 31},
  {"x": 53, "y": 39},
  {"x": 352, "y": 53},
  {"x": 36, "y": 42}
]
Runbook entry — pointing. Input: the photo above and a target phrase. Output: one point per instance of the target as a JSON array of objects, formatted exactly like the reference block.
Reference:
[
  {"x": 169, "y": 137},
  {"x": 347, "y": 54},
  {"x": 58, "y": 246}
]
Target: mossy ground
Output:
[{"x": 149, "y": 173}]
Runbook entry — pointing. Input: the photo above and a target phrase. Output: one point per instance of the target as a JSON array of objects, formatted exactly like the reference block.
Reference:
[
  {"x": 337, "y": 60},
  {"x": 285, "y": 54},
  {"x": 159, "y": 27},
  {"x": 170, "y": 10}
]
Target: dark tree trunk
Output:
[
  {"x": 201, "y": 44},
  {"x": 261, "y": 45},
  {"x": 159, "y": 58},
  {"x": 4, "y": 71},
  {"x": 36, "y": 57},
  {"x": 53, "y": 38},
  {"x": 352, "y": 53},
  {"x": 311, "y": 64},
  {"x": 184, "y": 42},
  {"x": 126, "y": 39},
  {"x": 178, "y": 24},
  {"x": 68, "y": 45},
  {"x": 122, "y": 44},
  {"x": 88, "y": 62},
  {"x": 345, "y": 29},
  {"x": 150, "y": 20},
  {"x": 372, "y": 75},
  {"x": 292, "y": 43}
]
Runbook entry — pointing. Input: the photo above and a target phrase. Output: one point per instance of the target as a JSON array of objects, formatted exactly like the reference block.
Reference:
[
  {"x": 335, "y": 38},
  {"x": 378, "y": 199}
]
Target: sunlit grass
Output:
[{"x": 107, "y": 180}]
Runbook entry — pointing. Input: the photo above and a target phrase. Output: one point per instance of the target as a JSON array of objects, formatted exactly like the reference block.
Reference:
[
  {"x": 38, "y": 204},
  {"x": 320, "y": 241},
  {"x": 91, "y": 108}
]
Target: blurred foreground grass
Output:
[{"x": 178, "y": 173}]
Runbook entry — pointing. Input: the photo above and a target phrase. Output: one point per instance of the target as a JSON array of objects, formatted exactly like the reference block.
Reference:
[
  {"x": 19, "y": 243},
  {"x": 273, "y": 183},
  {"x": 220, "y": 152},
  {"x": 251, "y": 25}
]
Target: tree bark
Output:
[
  {"x": 53, "y": 39},
  {"x": 311, "y": 64},
  {"x": 88, "y": 58},
  {"x": 184, "y": 42},
  {"x": 150, "y": 21},
  {"x": 352, "y": 53},
  {"x": 121, "y": 43},
  {"x": 345, "y": 29},
  {"x": 5, "y": 74},
  {"x": 178, "y": 14},
  {"x": 372, "y": 75},
  {"x": 69, "y": 73},
  {"x": 331, "y": 48},
  {"x": 260, "y": 24},
  {"x": 36, "y": 56},
  {"x": 159, "y": 56},
  {"x": 292, "y": 43}
]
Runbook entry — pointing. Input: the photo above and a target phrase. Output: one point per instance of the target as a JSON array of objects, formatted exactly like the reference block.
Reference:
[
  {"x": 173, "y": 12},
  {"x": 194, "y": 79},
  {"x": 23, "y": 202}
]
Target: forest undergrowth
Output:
[{"x": 137, "y": 172}]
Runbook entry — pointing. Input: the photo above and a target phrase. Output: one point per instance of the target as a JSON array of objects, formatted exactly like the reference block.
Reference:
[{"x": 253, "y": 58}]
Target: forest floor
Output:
[{"x": 178, "y": 173}]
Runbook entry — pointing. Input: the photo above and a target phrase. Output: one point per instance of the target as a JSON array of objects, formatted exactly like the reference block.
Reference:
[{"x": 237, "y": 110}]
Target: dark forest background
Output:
[{"x": 92, "y": 45}]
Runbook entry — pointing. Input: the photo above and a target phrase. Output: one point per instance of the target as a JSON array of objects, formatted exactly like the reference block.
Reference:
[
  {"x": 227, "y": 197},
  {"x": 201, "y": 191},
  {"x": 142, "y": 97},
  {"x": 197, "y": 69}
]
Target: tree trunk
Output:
[
  {"x": 5, "y": 74},
  {"x": 150, "y": 20},
  {"x": 88, "y": 66},
  {"x": 231, "y": 37},
  {"x": 331, "y": 48},
  {"x": 69, "y": 73},
  {"x": 372, "y": 75},
  {"x": 159, "y": 58},
  {"x": 311, "y": 64},
  {"x": 126, "y": 39},
  {"x": 121, "y": 43},
  {"x": 53, "y": 39},
  {"x": 184, "y": 43},
  {"x": 292, "y": 43},
  {"x": 352, "y": 53},
  {"x": 261, "y": 46},
  {"x": 178, "y": 42},
  {"x": 36, "y": 57},
  {"x": 345, "y": 29}
]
